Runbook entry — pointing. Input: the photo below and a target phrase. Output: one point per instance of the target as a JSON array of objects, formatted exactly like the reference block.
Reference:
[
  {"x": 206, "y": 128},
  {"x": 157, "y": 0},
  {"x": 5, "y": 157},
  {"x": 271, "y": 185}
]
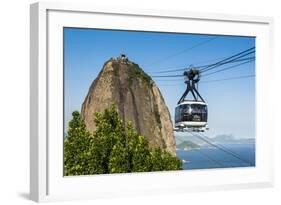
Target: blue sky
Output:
[{"x": 231, "y": 103}]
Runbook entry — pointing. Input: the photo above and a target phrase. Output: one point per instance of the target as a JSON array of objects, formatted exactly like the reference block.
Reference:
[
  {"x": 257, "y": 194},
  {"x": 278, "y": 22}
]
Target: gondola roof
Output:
[{"x": 192, "y": 102}]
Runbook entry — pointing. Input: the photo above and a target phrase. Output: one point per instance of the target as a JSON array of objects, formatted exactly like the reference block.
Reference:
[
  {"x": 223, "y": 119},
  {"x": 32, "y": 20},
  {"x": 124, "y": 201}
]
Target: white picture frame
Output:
[{"x": 46, "y": 177}]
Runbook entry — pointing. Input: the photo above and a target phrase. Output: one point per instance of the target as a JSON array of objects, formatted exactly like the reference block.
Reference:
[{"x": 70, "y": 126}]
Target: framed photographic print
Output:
[{"x": 127, "y": 102}]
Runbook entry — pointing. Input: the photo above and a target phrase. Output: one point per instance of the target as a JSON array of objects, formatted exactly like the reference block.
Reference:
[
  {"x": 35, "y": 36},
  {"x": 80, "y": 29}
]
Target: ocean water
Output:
[{"x": 209, "y": 157}]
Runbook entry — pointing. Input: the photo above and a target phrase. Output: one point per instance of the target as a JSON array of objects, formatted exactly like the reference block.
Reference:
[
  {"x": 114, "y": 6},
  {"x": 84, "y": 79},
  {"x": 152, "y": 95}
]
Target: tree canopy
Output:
[{"x": 113, "y": 148}]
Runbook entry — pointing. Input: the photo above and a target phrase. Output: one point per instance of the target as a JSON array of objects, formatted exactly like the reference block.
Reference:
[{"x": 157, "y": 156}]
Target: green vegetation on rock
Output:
[
  {"x": 136, "y": 71},
  {"x": 116, "y": 68},
  {"x": 112, "y": 148},
  {"x": 157, "y": 117}
]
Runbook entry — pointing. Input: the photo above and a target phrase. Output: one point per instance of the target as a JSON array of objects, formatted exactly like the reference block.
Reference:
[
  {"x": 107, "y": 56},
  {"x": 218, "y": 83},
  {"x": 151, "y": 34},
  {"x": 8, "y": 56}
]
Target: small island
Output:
[{"x": 188, "y": 145}]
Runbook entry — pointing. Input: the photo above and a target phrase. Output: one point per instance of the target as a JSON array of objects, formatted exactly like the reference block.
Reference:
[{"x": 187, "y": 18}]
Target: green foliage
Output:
[
  {"x": 77, "y": 147},
  {"x": 112, "y": 148}
]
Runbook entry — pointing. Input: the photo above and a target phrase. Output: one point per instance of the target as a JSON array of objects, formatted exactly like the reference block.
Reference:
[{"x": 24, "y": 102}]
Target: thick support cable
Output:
[{"x": 222, "y": 148}]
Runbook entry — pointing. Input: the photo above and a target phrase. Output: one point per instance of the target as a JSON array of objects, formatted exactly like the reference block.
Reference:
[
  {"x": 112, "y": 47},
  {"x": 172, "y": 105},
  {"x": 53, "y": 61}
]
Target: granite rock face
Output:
[{"x": 137, "y": 98}]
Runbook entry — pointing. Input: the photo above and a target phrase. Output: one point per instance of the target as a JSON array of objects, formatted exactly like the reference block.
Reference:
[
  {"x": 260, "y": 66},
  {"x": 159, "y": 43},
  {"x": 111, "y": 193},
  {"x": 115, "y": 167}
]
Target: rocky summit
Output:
[{"x": 138, "y": 99}]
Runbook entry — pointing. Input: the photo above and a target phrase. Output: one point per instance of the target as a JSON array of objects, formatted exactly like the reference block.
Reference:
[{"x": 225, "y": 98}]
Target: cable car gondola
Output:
[{"x": 191, "y": 115}]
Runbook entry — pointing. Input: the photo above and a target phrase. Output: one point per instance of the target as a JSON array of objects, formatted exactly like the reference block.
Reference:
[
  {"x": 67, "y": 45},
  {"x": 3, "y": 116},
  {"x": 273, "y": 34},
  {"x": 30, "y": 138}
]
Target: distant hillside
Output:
[
  {"x": 190, "y": 138},
  {"x": 220, "y": 139},
  {"x": 187, "y": 145},
  {"x": 223, "y": 138},
  {"x": 230, "y": 139}
]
